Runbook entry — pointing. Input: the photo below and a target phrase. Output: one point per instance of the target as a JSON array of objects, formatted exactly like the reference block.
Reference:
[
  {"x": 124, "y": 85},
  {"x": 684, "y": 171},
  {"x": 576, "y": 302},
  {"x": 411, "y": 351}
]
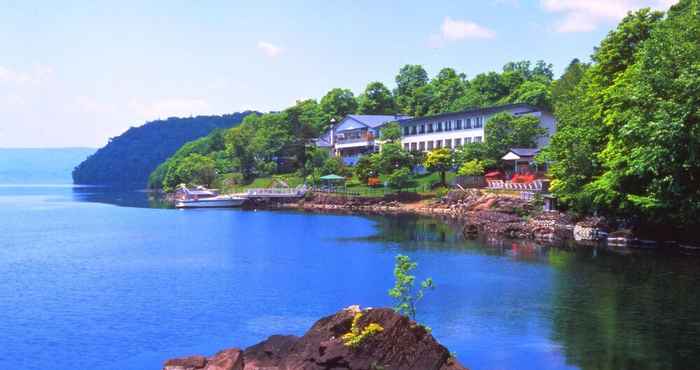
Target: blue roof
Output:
[
  {"x": 375, "y": 121},
  {"x": 525, "y": 152}
]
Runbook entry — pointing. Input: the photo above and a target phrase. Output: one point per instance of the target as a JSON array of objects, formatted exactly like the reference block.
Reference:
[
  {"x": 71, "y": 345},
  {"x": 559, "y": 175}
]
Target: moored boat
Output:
[
  {"x": 205, "y": 198},
  {"x": 218, "y": 201}
]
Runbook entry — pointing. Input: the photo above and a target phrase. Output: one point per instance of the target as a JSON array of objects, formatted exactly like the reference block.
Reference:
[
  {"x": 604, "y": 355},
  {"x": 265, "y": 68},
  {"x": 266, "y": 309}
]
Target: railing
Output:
[
  {"x": 353, "y": 140},
  {"x": 536, "y": 185},
  {"x": 368, "y": 191},
  {"x": 276, "y": 192}
]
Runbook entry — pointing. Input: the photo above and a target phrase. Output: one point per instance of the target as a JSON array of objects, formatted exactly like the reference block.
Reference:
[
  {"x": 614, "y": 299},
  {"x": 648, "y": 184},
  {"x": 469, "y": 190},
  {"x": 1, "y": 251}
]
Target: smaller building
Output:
[
  {"x": 356, "y": 135},
  {"x": 523, "y": 159}
]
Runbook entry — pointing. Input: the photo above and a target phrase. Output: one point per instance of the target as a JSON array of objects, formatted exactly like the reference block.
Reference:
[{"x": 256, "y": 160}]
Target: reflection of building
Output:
[
  {"x": 451, "y": 130},
  {"x": 357, "y": 134}
]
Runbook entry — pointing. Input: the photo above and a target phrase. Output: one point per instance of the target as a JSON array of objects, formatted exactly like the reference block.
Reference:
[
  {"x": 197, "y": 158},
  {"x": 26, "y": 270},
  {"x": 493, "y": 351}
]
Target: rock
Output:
[
  {"x": 230, "y": 359},
  {"x": 401, "y": 344},
  {"x": 550, "y": 227},
  {"x": 186, "y": 363},
  {"x": 591, "y": 229}
]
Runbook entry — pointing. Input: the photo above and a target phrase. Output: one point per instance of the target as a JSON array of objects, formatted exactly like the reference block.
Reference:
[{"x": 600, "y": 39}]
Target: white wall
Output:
[{"x": 546, "y": 120}]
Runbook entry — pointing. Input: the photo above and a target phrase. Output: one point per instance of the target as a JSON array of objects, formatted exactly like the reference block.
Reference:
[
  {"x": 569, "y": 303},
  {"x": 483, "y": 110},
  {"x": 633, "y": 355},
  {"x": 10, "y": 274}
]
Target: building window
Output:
[
  {"x": 438, "y": 127},
  {"x": 467, "y": 140},
  {"x": 405, "y": 131},
  {"x": 479, "y": 122},
  {"x": 477, "y": 139},
  {"x": 438, "y": 144},
  {"x": 406, "y": 146},
  {"x": 421, "y": 129},
  {"x": 414, "y": 147},
  {"x": 430, "y": 145},
  {"x": 468, "y": 123},
  {"x": 413, "y": 130},
  {"x": 421, "y": 145},
  {"x": 458, "y": 143},
  {"x": 430, "y": 127},
  {"x": 459, "y": 124},
  {"x": 448, "y": 143}
]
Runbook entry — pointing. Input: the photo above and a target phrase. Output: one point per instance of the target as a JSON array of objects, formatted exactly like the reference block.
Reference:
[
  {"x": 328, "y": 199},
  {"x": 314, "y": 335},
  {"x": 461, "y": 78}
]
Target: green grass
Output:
[{"x": 265, "y": 182}]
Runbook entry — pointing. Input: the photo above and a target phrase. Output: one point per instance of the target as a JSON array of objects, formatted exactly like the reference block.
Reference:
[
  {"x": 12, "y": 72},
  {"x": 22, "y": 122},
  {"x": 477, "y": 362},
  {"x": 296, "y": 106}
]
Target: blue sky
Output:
[{"x": 75, "y": 73}]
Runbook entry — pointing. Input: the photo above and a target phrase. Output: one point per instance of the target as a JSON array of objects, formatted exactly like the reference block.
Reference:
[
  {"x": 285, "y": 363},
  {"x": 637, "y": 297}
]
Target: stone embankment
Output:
[{"x": 401, "y": 344}]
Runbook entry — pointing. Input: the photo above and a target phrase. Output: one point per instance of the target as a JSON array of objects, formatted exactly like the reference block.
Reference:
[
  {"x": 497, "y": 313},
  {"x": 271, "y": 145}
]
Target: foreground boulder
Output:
[{"x": 399, "y": 344}]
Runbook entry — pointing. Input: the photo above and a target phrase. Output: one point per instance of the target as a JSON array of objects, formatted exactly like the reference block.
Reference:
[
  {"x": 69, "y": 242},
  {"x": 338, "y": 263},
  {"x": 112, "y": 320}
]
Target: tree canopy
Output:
[
  {"x": 627, "y": 142},
  {"x": 128, "y": 159}
]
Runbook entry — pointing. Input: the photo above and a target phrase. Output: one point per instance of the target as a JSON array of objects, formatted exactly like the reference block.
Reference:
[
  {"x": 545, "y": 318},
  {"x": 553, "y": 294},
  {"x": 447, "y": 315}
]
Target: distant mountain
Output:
[
  {"x": 129, "y": 158},
  {"x": 40, "y": 166}
]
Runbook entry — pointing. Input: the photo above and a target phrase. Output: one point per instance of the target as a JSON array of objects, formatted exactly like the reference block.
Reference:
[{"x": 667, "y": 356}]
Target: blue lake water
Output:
[{"x": 96, "y": 279}]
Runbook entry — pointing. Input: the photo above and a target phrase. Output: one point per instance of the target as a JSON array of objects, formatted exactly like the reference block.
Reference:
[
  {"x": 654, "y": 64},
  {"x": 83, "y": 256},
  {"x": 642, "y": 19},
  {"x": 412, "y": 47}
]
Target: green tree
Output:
[
  {"x": 315, "y": 159},
  {"x": 404, "y": 291},
  {"x": 651, "y": 161},
  {"x": 471, "y": 168},
  {"x": 335, "y": 166},
  {"x": 194, "y": 169},
  {"x": 391, "y": 132},
  {"x": 391, "y": 157},
  {"x": 474, "y": 151},
  {"x": 365, "y": 168},
  {"x": 376, "y": 99},
  {"x": 504, "y": 131},
  {"x": 563, "y": 89},
  {"x": 439, "y": 160},
  {"x": 411, "y": 77},
  {"x": 582, "y": 132},
  {"x": 446, "y": 88},
  {"x": 337, "y": 104},
  {"x": 400, "y": 178}
]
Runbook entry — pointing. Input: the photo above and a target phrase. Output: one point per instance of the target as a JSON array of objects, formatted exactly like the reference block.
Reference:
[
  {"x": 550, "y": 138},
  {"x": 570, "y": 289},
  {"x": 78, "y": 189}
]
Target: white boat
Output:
[
  {"x": 212, "y": 202},
  {"x": 205, "y": 198}
]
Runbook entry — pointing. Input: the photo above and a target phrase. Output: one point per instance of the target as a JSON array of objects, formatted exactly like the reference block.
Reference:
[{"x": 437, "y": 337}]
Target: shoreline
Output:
[{"x": 482, "y": 214}]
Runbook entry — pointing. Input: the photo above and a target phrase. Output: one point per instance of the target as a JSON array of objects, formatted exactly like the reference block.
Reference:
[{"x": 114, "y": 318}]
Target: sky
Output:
[{"x": 75, "y": 73}]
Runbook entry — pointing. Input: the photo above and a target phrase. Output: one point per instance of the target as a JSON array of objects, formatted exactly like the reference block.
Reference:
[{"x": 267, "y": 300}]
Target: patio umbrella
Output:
[{"x": 332, "y": 177}]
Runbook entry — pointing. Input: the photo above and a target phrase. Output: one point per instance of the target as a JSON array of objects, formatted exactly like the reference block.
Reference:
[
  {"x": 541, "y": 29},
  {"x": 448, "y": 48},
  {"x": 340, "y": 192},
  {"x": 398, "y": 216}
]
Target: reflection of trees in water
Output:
[
  {"x": 627, "y": 312},
  {"x": 120, "y": 197}
]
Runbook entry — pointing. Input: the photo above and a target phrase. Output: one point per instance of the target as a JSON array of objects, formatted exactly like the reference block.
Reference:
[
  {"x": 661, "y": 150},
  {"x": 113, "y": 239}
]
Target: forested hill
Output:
[{"x": 129, "y": 158}]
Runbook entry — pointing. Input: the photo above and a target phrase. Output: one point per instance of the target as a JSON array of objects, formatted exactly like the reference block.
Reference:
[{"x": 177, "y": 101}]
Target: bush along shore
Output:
[{"x": 483, "y": 213}]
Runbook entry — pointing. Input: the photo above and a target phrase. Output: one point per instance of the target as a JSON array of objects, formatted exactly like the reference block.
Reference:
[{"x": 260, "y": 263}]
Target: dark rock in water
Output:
[{"x": 401, "y": 345}]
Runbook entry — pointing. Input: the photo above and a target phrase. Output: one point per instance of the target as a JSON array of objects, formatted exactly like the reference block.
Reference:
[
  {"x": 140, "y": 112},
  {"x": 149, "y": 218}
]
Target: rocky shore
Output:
[
  {"x": 398, "y": 344},
  {"x": 478, "y": 213}
]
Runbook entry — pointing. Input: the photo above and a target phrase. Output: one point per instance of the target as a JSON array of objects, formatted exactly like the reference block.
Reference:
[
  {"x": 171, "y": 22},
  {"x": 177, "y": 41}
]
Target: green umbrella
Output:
[{"x": 332, "y": 177}]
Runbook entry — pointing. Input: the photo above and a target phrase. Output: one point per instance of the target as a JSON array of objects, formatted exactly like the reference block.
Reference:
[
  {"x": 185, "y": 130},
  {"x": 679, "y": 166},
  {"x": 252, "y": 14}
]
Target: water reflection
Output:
[
  {"x": 608, "y": 310},
  {"x": 120, "y": 197}
]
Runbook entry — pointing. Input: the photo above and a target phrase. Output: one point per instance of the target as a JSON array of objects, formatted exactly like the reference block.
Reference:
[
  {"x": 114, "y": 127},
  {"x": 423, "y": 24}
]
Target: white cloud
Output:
[
  {"x": 587, "y": 15},
  {"x": 269, "y": 49},
  {"x": 170, "y": 107},
  {"x": 34, "y": 76},
  {"x": 455, "y": 30}
]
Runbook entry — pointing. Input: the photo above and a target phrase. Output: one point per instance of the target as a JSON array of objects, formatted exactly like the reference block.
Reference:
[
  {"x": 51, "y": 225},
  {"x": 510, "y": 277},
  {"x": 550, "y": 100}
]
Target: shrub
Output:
[
  {"x": 471, "y": 168},
  {"x": 404, "y": 292},
  {"x": 400, "y": 178},
  {"x": 523, "y": 178},
  {"x": 356, "y": 335}
]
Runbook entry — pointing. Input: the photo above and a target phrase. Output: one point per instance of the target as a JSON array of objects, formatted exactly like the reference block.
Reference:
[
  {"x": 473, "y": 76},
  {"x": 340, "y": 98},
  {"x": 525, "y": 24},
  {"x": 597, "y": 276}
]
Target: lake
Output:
[{"x": 97, "y": 279}]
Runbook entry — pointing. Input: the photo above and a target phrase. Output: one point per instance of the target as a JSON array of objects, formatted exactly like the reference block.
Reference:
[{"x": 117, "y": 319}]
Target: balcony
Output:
[{"x": 354, "y": 140}]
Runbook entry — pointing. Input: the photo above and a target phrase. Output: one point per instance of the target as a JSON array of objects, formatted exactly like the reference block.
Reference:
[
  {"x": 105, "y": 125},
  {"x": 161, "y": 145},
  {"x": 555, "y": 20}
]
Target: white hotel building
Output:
[
  {"x": 356, "y": 135},
  {"x": 451, "y": 130}
]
